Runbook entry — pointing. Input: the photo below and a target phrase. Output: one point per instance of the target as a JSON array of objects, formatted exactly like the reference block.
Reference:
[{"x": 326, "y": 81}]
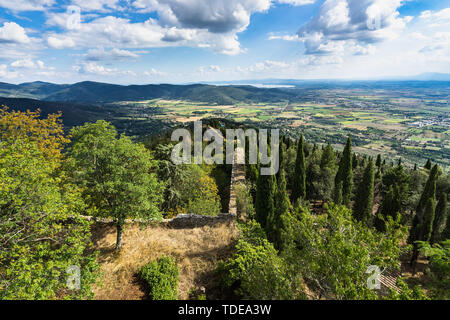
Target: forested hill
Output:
[
  {"x": 72, "y": 114},
  {"x": 95, "y": 92}
]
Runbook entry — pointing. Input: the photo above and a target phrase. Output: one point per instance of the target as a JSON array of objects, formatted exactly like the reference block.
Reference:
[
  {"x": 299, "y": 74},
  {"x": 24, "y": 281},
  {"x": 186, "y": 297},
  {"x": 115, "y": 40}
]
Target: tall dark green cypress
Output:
[
  {"x": 428, "y": 220},
  {"x": 354, "y": 161},
  {"x": 378, "y": 163},
  {"x": 428, "y": 164},
  {"x": 328, "y": 158},
  {"x": 264, "y": 204},
  {"x": 345, "y": 175},
  {"x": 280, "y": 160},
  {"x": 423, "y": 221},
  {"x": 299, "y": 181},
  {"x": 440, "y": 219},
  {"x": 362, "y": 209},
  {"x": 282, "y": 207},
  {"x": 429, "y": 190}
]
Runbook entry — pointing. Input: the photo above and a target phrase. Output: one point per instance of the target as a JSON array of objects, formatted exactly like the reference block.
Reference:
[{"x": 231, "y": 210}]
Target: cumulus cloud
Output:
[
  {"x": 11, "y": 32},
  {"x": 100, "y": 54},
  {"x": 91, "y": 67},
  {"x": 25, "y": 63},
  {"x": 26, "y": 5},
  {"x": 217, "y": 16},
  {"x": 6, "y": 73},
  {"x": 297, "y": 2},
  {"x": 360, "y": 21},
  {"x": 97, "y": 5},
  {"x": 153, "y": 72},
  {"x": 29, "y": 63},
  {"x": 60, "y": 42}
]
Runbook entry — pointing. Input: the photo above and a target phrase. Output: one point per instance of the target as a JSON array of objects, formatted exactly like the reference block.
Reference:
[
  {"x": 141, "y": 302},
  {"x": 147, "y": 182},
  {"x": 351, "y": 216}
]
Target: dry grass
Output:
[{"x": 196, "y": 250}]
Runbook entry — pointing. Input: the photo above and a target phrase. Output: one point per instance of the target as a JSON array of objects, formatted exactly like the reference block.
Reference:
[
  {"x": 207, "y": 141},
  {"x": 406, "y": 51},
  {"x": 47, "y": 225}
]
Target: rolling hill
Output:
[{"x": 95, "y": 92}]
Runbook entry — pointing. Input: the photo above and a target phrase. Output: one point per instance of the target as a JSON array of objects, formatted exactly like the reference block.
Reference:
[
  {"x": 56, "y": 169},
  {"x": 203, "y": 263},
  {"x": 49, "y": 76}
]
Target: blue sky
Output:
[{"x": 180, "y": 41}]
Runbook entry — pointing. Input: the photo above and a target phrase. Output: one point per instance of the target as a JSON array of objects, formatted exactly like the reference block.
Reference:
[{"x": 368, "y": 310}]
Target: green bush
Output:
[
  {"x": 162, "y": 278},
  {"x": 256, "y": 271}
]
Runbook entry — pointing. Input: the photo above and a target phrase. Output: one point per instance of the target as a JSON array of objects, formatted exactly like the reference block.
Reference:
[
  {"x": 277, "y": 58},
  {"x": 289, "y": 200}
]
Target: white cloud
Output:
[
  {"x": 297, "y": 2},
  {"x": 25, "y": 63},
  {"x": 218, "y": 16},
  {"x": 100, "y": 54},
  {"x": 97, "y": 5},
  {"x": 363, "y": 21},
  {"x": 6, "y": 73},
  {"x": 92, "y": 67},
  {"x": 153, "y": 72},
  {"x": 60, "y": 42},
  {"x": 26, "y": 5},
  {"x": 442, "y": 15},
  {"x": 11, "y": 32}
]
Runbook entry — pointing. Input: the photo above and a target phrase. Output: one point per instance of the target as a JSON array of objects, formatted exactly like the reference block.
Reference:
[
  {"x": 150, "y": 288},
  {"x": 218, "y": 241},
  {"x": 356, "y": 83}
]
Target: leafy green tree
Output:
[
  {"x": 41, "y": 231},
  {"x": 439, "y": 257},
  {"x": 115, "y": 175},
  {"x": 345, "y": 175},
  {"x": 299, "y": 182},
  {"x": 244, "y": 202},
  {"x": 405, "y": 292},
  {"x": 362, "y": 209},
  {"x": 332, "y": 252},
  {"x": 171, "y": 175},
  {"x": 201, "y": 192},
  {"x": 255, "y": 271},
  {"x": 395, "y": 191}
]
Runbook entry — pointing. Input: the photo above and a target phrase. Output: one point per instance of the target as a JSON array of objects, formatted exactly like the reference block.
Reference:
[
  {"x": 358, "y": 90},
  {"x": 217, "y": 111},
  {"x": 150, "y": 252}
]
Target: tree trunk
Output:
[{"x": 119, "y": 237}]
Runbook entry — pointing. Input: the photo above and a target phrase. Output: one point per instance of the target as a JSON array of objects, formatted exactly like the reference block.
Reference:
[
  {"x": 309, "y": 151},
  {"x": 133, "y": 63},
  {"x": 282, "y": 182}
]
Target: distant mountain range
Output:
[
  {"x": 95, "y": 92},
  {"x": 228, "y": 92},
  {"x": 431, "y": 76}
]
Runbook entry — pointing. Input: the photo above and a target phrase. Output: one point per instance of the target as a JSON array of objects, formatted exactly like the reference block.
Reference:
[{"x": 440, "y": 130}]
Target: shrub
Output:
[
  {"x": 162, "y": 278},
  {"x": 256, "y": 271}
]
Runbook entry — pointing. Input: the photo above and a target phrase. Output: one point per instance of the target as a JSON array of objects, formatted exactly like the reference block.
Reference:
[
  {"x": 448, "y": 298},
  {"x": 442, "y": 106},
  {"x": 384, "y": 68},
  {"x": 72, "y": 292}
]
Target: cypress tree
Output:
[
  {"x": 299, "y": 181},
  {"x": 428, "y": 164},
  {"x": 337, "y": 196},
  {"x": 264, "y": 202},
  {"x": 280, "y": 160},
  {"x": 440, "y": 219},
  {"x": 429, "y": 190},
  {"x": 428, "y": 220},
  {"x": 328, "y": 158},
  {"x": 345, "y": 174},
  {"x": 423, "y": 221},
  {"x": 378, "y": 163},
  {"x": 282, "y": 207},
  {"x": 446, "y": 232},
  {"x": 364, "y": 196},
  {"x": 354, "y": 161}
]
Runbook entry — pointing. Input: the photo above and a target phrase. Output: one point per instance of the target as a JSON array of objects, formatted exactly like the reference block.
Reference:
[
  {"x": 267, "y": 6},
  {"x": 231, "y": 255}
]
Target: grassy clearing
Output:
[{"x": 196, "y": 250}]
